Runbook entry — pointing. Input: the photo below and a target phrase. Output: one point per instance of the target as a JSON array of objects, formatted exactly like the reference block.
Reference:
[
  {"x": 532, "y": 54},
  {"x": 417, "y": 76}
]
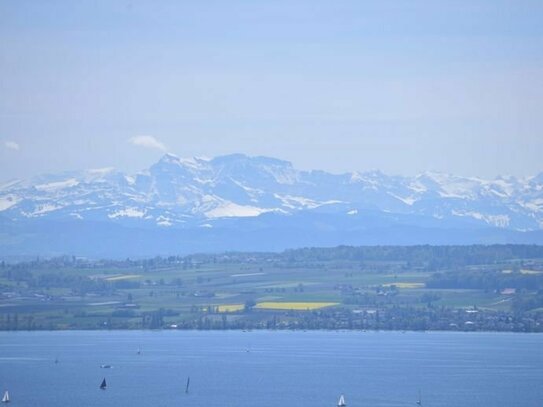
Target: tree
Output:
[{"x": 249, "y": 305}]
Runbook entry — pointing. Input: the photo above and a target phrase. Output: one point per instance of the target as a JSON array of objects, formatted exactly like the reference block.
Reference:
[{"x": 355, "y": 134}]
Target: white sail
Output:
[
  {"x": 341, "y": 401},
  {"x": 5, "y": 399}
]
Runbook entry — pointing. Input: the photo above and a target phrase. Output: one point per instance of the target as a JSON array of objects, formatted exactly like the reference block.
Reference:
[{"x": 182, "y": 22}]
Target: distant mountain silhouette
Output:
[{"x": 237, "y": 202}]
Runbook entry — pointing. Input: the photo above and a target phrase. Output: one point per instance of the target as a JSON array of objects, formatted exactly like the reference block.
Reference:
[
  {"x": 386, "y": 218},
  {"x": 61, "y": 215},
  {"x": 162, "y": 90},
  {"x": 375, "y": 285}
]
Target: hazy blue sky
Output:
[{"x": 401, "y": 86}]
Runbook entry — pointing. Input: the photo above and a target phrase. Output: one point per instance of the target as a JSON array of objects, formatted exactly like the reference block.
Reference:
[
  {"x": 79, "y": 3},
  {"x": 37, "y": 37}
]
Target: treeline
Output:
[
  {"x": 423, "y": 256},
  {"x": 80, "y": 285},
  {"x": 433, "y": 257}
]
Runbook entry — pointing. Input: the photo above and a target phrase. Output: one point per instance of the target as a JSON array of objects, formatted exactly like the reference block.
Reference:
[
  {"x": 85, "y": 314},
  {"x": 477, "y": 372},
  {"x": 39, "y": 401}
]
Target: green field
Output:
[{"x": 216, "y": 293}]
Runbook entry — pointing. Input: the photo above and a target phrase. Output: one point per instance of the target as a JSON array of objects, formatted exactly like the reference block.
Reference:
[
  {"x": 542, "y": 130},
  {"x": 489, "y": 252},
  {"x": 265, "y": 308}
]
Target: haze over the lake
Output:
[{"x": 404, "y": 87}]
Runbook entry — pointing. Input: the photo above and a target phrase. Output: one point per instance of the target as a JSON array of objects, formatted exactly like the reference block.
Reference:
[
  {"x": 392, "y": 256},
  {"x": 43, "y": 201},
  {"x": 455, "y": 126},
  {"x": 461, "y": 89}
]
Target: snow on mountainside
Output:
[{"x": 181, "y": 193}]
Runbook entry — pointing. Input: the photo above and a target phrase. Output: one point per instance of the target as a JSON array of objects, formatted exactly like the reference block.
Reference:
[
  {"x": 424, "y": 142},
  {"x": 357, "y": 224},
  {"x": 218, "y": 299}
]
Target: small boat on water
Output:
[
  {"x": 419, "y": 401},
  {"x": 341, "y": 402},
  {"x": 187, "y": 386},
  {"x": 103, "y": 386},
  {"x": 6, "y": 399},
  {"x": 106, "y": 366}
]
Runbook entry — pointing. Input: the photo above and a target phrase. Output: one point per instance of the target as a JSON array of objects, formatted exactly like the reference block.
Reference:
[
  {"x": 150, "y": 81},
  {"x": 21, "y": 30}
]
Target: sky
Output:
[{"x": 400, "y": 86}]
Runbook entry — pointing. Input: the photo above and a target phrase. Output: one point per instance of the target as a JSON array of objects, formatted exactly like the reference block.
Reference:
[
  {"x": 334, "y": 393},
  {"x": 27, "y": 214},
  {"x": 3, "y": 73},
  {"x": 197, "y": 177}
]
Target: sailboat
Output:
[
  {"x": 5, "y": 399},
  {"x": 188, "y": 383},
  {"x": 103, "y": 386},
  {"x": 341, "y": 401}
]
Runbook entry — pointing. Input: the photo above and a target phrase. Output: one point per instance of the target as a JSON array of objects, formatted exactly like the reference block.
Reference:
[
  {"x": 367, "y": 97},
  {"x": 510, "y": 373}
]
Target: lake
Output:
[{"x": 271, "y": 368}]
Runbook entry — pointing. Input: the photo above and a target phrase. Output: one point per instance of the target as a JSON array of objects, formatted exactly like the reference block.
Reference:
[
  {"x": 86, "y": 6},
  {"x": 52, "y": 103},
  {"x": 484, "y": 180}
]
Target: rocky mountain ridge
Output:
[{"x": 238, "y": 192}]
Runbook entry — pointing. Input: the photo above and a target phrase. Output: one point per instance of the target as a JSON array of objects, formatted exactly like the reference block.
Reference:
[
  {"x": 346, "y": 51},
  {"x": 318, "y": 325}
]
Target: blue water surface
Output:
[{"x": 271, "y": 368}]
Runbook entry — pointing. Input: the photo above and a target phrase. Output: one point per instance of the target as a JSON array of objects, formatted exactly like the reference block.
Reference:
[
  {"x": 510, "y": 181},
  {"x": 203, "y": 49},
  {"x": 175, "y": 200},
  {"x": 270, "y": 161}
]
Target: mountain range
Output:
[{"x": 237, "y": 202}]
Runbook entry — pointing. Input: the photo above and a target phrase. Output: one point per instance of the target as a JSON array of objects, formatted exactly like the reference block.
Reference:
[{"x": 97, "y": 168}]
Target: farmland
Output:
[{"x": 466, "y": 288}]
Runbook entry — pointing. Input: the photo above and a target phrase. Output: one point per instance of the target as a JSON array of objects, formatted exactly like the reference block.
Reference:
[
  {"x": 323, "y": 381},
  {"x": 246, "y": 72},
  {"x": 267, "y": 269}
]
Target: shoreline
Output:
[{"x": 277, "y": 330}]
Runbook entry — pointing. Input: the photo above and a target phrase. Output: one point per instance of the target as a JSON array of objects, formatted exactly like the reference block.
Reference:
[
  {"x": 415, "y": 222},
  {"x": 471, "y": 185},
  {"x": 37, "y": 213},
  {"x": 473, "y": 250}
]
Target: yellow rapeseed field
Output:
[
  {"x": 301, "y": 306},
  {"x": 230, "y": 307}
]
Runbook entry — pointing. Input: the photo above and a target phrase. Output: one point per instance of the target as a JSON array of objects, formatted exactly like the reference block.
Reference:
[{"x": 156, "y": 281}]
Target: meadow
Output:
[{"x": 255, "y": 290}]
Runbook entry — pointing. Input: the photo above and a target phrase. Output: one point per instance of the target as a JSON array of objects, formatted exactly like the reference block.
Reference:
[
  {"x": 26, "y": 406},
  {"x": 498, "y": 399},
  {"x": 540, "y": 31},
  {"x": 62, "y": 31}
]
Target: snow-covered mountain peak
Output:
[{"x": 177, "y": 191}]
